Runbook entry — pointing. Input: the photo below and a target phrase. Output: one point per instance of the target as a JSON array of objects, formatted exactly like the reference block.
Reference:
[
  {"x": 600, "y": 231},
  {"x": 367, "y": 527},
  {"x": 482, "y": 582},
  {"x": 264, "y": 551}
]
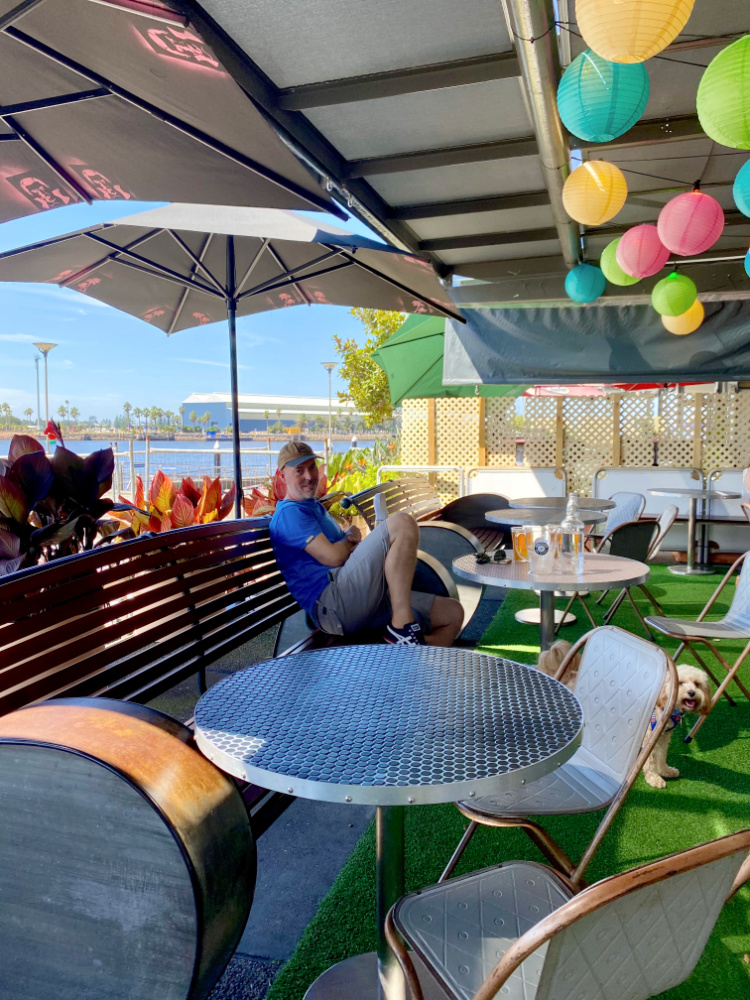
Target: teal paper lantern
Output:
[
  {"x": 585, "y": 283},
  {"x": 741, "y": 189},
  {"x": 600, "y": 100},
  {"x": 674, "y": 295},
  {"x": 723, "y": 101},
  {"x": 611, "y": 269},
  {"x": 747, "y": 263}
]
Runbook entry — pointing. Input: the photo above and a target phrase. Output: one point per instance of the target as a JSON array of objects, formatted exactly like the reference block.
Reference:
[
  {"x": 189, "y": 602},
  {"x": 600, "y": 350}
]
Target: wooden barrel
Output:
[{"x": 127, "y": 865}]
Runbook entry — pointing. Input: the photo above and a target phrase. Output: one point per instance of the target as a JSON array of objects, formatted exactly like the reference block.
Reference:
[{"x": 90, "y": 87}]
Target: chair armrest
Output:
[{"x": 713, "y": 597}]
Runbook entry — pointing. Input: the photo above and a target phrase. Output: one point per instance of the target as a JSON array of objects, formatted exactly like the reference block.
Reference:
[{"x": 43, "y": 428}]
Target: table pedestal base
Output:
[
  {"x": 357, "y": 979},
  {"x": 533, "y": 616},
  {"x": 683, "y": 570}
]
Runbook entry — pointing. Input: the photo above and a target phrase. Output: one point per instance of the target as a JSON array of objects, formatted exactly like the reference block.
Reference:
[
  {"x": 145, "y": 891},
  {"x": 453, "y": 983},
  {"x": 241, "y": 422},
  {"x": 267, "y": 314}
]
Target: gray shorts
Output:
[{"x": 357, "y": 596}]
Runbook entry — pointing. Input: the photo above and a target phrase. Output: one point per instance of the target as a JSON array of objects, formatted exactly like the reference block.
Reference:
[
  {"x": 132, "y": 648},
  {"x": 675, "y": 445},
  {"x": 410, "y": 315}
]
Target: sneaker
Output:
[{"x": 409, "y": 635}]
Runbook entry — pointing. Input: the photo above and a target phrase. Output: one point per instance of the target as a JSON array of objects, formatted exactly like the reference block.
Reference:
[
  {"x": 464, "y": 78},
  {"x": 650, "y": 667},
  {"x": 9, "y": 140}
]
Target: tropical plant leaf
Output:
[
  {"x": 23, "y": 444},
  {"x": 279, "y": 485},
  {"x": 212, "y": 515},
  {"x": 11, "y": 565},
  {"x": 190, "y": 490},
  {"x": 101, "y": 464},
  {"x": 210, "y": 499},
  {"x": 227, "y": 502},
  {"x": 155, "y": 522},
  {"x": 162, "y": 492},
  {"x": 10, "y": 545},
  {"x": 72, "y": 482},
  {"x": 140, "y": 496},
  {"x": 166, "y": 523},
  {"x": 32, "y": 473},
  {"x": 183, "y": 512},
  {"x": 12, "y": 501},
  {"x": 55, "y": 534}
]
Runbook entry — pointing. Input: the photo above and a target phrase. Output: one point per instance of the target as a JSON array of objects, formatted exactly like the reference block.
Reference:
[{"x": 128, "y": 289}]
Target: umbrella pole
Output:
[{"x": 232, "y": 317}]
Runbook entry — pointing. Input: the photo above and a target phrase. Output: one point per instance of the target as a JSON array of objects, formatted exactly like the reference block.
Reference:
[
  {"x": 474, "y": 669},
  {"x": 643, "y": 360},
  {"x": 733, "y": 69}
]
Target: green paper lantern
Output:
[
  {"x": 599, "y": 100},
  {"x": 585, "y": 283},
  {"x": 674, "y": 295},
  {"x": 723, "y": 101},
  {"x": 611, "y": 269}
]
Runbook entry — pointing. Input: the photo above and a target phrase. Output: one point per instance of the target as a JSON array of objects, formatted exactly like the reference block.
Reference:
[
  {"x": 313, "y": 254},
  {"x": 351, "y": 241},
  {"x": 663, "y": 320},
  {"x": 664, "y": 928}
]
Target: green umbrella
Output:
[{"x": 413, "y": 361}]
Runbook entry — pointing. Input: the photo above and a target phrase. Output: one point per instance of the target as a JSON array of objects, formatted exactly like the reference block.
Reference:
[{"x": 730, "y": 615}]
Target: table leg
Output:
[
  {"x": 547, "y": 620},
  {"x": 389, "y": 838},
  {"x": 691, "y": 569}
]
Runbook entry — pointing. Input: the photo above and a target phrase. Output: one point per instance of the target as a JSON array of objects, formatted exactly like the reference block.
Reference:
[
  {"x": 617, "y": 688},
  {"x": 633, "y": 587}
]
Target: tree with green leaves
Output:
[
  {"x": 126, "y": 408},
  {"x": 182, "y": 414},
  {"x": 193, "y": 417},
  {"x": 75, "y": 414},
  {"x": 367, "y": 383},
  {"x": 28, "y": 413}
]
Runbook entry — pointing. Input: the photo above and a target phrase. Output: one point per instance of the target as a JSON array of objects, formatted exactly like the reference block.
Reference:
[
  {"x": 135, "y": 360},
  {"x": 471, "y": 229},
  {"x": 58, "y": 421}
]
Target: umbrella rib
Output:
[
  {"x": 198, "y": 260},
  {"x": 54, "y": 102},
  {"x": 197, "y": 134},
  {"x": 104, "y": 260},
  {"x": 251, "y": 267},
  {"x": 402, "y": 287},
  {"x": 47, "y": 158},
  {"x": 282, "y": 282},
  {"x": 186, "y": 291},
  {"x": 22, "y": 8},
  {"x": 285, "y": 269},
  {"x": 294, "y": 271},
  {"x": 176, "y": 280},
  {"x": 164, "y": 272}
]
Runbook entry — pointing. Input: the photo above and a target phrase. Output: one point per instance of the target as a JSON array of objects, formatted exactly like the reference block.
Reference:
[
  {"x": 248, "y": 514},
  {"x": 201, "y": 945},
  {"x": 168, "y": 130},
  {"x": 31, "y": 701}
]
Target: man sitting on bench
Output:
[{"x": 345, "y": 584}]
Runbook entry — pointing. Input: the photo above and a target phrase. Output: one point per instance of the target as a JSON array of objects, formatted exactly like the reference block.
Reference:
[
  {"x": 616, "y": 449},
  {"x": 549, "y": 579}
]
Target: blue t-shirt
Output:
[{"x": 293, "y": 526}]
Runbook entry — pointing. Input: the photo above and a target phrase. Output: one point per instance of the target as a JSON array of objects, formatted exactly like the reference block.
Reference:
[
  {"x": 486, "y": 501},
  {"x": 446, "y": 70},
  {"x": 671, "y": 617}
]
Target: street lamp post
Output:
[
  {"x": 45, "y": 349},
  {"x": 38, "y": 397},
  {"x": 329, "y": 366}
]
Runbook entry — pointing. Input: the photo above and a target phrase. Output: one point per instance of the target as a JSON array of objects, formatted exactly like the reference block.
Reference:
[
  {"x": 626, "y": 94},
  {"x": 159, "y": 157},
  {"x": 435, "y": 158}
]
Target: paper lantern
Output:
[
  {"x": 631, "y": 31},
  {"x": 611, "y": 269},
  {"x": 724, "y": 96},
  {"x": 640, "y": 252},
  {"x": 741, "y": 189},
  {"x": 674, "y": 295},
  {"x": 594, "y": 193},
  {"x": 747, "y": 263},
  {"x": 585, "y": 283},
  {"x": 600, "y": 100},
  {"x": 690, "y": 223},
  {"x": 688, "y": 322}
]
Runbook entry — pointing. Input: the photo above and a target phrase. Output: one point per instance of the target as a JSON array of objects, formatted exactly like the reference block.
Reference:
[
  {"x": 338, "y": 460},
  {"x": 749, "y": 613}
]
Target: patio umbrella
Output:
[
  {"x": 187, "y": 265},
  {"x": 412, "y": 358},
  {"x": 122, "y": 99}
]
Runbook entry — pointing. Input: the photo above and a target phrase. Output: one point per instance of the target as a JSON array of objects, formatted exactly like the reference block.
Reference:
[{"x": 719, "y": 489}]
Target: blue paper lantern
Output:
[
  {"x": 747, "y": 263},
  {"x": 600, "y": 100},
  {"x": 741, "y": 189},
  {"x": 585, "y": 283}
]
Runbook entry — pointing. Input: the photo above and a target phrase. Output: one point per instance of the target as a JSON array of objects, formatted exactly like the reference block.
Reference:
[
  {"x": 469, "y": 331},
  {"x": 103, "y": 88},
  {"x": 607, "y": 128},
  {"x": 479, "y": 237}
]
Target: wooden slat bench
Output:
[{"x": 132, "y": 620}]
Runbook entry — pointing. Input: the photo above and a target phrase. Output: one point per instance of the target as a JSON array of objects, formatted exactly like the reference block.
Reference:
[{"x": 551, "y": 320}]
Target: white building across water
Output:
[{"x": 258, "y": 411}]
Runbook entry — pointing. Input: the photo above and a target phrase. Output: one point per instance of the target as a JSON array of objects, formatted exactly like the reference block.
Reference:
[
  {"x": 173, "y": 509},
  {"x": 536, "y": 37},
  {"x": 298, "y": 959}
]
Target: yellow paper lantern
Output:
[
  {"x": 631, "y": 31},
  {"x": 595, "y": 192},
  {"x": 688, "y": 322}
]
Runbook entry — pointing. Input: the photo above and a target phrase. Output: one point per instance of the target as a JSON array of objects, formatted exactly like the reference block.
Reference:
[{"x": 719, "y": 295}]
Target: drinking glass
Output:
[
  {"x": 541, "y": 549},
  {"x": 520, "y": 552}
]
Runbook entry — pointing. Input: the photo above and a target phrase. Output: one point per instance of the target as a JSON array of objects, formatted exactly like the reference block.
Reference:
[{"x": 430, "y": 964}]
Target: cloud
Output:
[
  {"x": 18, "y": 338},
  {"x": 213, "y": 364}
]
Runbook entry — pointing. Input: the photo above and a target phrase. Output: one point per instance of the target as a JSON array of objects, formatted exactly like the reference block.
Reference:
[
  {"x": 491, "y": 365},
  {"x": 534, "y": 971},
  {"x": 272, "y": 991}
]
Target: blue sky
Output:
[{"x": 106, "y": 357}]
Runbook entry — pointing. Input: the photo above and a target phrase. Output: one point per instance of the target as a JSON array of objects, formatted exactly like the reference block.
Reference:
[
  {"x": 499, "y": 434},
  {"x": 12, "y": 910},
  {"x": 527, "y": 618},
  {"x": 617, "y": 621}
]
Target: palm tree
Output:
[
  {"x": 278, "y": 417},
  {"x": 302, "y": 421},
  {"x": 75, "y": 413},
  {"x": 266, "y": 415},
  {"x": 61, "y": 412},
  {"x": 206, "y": 419},
  {"x": 137, "y": 415},
  {"x": 193, "y": 418},
  {"x": 182, "y": 414},
  {"x": 7, "y": 413},
  {"x": 126, "y": 408},
  {"x": 28, "y": 413}
]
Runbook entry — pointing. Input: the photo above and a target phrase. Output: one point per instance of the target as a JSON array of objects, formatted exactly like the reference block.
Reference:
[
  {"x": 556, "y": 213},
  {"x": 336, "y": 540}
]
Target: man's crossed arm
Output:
[{"x": 333, "y": 553}]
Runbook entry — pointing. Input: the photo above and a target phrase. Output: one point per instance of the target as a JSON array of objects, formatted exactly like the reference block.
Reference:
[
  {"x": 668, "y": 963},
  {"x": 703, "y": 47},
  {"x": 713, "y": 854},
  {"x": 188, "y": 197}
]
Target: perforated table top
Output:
[
  {"x": 561, "y": 503},
  {"x": 679, "y": 491},
  {"x": 601, "y": 571},
  {"x": 379, "y": 725},
  {"x": 542, "y": 515}
]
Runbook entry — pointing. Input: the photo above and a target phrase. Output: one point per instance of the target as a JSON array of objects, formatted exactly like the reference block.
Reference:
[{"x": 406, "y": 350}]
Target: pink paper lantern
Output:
[
  {"x": 640, "y": 252},
  {"x": 690, "y": 223}
]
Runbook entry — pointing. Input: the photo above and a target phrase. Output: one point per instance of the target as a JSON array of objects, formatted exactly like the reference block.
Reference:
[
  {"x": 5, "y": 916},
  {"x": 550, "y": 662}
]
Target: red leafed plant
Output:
[
  {"x": 260, "y": 502},
  {"x": 169, "y": 507}
]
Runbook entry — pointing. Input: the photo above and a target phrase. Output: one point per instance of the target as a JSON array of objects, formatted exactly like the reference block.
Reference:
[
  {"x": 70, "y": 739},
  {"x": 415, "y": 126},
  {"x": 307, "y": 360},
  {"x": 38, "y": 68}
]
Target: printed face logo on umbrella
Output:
[
  {"x": 40, "y": 193},
  {"x": 181, "y": 44},
  {"x": 101, "y": 185},
  {"x": 153, "y": 313}
]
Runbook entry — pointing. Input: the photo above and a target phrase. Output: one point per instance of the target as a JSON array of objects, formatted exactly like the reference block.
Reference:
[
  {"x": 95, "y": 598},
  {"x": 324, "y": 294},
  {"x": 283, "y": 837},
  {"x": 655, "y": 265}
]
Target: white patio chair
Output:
[
  {"x": 734, "y": 625},
  {"x": 619, "y": 681},
  {"x": 518, "y": 930},
  {"x": 628, "y": 507}
]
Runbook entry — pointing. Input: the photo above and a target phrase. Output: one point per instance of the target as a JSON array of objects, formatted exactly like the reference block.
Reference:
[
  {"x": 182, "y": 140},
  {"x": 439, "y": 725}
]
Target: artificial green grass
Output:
[{"x": 712, "y": 798}]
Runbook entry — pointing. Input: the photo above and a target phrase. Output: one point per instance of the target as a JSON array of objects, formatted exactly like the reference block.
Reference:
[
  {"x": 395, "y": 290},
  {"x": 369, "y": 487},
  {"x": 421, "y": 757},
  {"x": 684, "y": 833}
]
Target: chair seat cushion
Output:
[
  {"x": 461, "y": 928},
  {"x": 575, "y": 787},
  {"x": 725, "y": 629}
]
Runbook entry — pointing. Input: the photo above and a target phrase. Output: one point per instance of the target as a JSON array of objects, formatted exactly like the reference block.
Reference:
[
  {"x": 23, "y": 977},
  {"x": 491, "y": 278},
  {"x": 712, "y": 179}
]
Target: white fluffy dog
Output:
[
  {"x": 693, "y": 698},
  {"x": 551, "y": 659}
]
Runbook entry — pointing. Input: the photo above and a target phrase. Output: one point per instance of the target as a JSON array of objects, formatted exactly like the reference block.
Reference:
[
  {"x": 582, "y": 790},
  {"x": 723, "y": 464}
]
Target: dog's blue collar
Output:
[{"x": 674, "y": 720}]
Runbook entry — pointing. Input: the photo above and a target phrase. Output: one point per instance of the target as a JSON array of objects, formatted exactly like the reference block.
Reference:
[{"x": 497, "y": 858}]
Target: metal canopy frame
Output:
[{"x": 104, "y": 88}]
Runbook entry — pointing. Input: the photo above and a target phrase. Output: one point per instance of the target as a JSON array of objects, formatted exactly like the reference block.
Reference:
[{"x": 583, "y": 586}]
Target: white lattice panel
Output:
[
  {"x": 637, "y": 429},
  {"x": 587, "y": 422},
  {"x": 415, "y": 444},
  {"x": 500, "y": 433},
  {"x": 677, "y": 424},
  {"x": 726, "y": 431},
  {"x": 457, "y": 439},
  {"x": 540, "y": 429}
]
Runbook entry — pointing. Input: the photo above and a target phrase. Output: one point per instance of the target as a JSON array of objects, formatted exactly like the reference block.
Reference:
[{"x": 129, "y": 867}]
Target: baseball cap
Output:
[{"x": 295, "y": 452}]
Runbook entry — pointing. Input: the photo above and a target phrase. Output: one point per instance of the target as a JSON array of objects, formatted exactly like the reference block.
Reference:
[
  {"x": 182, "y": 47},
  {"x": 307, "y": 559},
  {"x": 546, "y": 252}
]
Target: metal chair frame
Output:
[
  {"x": 538, "y": 835},
  {"x": 581, "y": 904},
  {"x": 687, "y": 643}
]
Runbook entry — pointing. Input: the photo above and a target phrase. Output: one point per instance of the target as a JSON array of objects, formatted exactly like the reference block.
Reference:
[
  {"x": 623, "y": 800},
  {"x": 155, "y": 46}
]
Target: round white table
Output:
[
  {"x": 561, "y": 503},
  {"x": 600, "y": 572},
  {"x": 541, "y": 516},
  {"x": 693, "y": 496},
  {"x": 389, "y": 727}
]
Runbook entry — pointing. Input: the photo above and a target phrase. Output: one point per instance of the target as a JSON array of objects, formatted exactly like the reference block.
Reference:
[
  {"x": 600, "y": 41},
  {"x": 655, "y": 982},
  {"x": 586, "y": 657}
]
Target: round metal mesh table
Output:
[
  {"x": 561, "y": 503},
  {"x": 693, "y": 496},
  {"x": 541, "y": 516},
  {"x": 387, "y": 726}
]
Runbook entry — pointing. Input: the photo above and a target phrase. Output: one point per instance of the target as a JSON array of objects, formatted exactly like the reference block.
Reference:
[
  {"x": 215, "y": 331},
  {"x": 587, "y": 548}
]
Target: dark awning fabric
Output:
[{"x": 600, "y": 344}]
